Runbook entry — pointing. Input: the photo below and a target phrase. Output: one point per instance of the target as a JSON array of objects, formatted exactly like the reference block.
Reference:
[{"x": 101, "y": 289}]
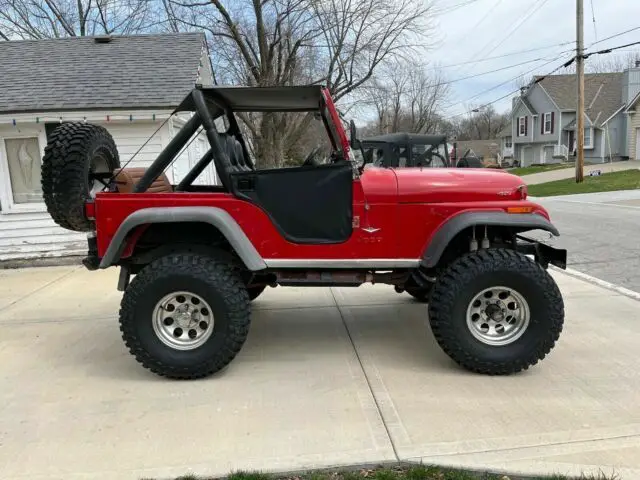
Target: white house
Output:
[{"x": 129, "y": 84}]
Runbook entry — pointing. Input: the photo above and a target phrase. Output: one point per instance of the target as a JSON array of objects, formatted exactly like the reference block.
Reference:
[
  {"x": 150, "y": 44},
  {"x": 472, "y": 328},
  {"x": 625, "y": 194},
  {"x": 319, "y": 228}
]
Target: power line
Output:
[
  {"x": 498, "y": 2},
  {"x": 511, "y": 79},
  {"x": 609, "y": 50},
  {"x": 457, "y": 6},
  {"x": 541, "y": 78},
  {"x": 510, "y": 32},
  {"x": 487, "y": 73},
  {"x": 510, "y": 54},
  {"x": 614, "y": 36},
  {"x": 537, "y": 80},
  {"x": 522, "y": 21},
  {"x": 593, "y": 15}
]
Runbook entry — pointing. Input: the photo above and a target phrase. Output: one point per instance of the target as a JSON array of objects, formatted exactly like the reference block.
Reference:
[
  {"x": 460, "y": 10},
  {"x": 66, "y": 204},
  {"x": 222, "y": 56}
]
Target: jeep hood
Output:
[{"x": 441, "y": 185}]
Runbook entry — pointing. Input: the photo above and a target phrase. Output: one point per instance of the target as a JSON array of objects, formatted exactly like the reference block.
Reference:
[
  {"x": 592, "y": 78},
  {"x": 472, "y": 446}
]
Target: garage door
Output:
[
  {"x": 527, "y": 156},
  {"x": 547, "y": 155}
]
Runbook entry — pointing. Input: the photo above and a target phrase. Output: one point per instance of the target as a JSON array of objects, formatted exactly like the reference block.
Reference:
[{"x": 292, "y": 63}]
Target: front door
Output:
[{"x": 572, "y": 136}]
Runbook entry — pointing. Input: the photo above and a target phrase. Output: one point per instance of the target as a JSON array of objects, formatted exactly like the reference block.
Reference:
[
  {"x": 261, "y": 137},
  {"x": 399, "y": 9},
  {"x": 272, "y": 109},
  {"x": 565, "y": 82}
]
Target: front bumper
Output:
[{"x": 544, "y": 254}]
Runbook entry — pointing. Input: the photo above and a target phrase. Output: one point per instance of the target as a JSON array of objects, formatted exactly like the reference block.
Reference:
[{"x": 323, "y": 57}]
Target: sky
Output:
[{"x": 478, "y": 29}]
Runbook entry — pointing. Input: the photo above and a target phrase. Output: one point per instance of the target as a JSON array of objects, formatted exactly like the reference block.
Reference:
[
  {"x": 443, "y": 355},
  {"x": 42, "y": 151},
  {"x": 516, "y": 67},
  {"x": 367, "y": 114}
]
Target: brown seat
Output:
[{"x": 127, "y": 178}]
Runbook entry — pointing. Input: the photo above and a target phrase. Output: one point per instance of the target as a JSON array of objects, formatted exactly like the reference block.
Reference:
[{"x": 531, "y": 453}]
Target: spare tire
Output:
[{"x": 76, "y": 158}]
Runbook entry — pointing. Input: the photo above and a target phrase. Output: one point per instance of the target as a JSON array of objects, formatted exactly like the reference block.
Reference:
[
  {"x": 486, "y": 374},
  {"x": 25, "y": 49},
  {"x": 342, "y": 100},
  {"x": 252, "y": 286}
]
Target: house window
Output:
[
  {"x": 547, "y": 126},
  {"x": 522, "y": 126},
  {"x": 23, "y": 164},
  {"x": 588, "y": 138}
]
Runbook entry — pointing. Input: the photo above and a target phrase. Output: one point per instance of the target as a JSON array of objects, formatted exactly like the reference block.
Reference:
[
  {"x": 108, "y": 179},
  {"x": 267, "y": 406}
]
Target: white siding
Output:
[
  {"x": 129, "y": 137},
  {"x": 632, "y": 135},
  {"x": 32, "y": 233}
]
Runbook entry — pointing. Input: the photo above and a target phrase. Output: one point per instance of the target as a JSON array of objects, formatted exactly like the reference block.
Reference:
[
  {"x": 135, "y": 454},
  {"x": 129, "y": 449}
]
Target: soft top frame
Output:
[{"x": 256, "y": 99}]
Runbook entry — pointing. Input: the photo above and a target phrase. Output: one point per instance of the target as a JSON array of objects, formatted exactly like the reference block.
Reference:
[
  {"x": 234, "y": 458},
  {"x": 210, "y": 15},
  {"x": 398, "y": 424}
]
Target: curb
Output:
[
  {"x": 600, "y": 283},
  {"x": 61, "y": 261}
]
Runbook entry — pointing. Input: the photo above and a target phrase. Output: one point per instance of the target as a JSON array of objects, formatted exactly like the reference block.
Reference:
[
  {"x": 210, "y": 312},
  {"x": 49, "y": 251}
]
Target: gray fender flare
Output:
[
  {"x": 211, "y": 215},
  {"x": 446, "y": 233}
]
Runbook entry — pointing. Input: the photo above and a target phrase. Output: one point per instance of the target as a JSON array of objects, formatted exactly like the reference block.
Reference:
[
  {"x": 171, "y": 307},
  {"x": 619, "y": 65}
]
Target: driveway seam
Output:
[
  {"x": 612, "y": 287},
  {"x": 366, "y": 377},
  {"x": 41, "y": 288}
]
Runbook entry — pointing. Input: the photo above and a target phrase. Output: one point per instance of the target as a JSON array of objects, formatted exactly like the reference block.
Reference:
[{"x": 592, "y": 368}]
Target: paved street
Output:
[
  {"x": 601, "y": 232},
  {"x": 328, "y": 377}
]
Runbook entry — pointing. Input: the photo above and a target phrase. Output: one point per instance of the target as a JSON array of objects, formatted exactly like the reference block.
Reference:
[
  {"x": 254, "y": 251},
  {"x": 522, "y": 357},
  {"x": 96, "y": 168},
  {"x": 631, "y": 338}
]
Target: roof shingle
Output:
[
  {"x": 602, "y": 91},
  {"x": 78, "y": 73}
]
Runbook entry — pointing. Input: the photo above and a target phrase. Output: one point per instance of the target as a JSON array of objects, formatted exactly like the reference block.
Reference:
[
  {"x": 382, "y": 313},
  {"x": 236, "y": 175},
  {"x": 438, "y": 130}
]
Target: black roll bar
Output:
[
  {"x": 197, "y": 169},
  {"x": 167, "y": 155},
  {"x": 220, "y": 156}
]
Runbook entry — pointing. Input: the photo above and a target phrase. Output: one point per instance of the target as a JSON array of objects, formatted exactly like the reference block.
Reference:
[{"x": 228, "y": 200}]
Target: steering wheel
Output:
[{"x": 311, "y": 158}]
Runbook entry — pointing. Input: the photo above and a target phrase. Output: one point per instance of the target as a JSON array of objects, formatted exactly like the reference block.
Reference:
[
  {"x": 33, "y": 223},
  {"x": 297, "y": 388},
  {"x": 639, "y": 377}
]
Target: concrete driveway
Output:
[{"x": 328, "y": 377}]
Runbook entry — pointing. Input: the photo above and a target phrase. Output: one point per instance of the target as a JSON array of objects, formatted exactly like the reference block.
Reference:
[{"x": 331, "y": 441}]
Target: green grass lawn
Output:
[
  {"x": 520, "y": 171},
  {"x": 608, "y": 182},
  {"x": 418, "y": 472}
]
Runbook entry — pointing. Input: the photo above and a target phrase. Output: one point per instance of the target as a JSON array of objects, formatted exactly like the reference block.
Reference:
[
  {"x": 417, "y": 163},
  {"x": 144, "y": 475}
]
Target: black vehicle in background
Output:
[{"x": 407, "y": 150}]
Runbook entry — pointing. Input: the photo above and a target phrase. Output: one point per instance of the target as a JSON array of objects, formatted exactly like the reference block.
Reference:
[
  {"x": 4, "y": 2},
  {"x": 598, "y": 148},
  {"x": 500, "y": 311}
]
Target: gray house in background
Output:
[{"x": 543, "y": 119}]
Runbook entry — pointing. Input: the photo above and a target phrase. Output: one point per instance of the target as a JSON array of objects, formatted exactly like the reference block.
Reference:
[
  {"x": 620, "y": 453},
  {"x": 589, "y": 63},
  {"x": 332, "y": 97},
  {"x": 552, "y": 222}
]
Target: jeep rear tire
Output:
[
  {"x": 496, "y": 312},
  {"x": 75, "y": 155},
  {"x": 185, "y": 316}
]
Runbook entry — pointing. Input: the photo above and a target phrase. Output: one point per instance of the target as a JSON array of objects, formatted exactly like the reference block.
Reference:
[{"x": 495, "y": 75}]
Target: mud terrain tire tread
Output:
[
  {"x": 447, "y": 327},
  {"x": 214, "y": 275},
  {"x": 65, "y": 170}
]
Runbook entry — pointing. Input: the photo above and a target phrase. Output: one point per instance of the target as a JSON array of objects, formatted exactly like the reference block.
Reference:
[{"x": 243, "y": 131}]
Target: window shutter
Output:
[
  {"x": 526, "y": 125},
  {"x": 542, "y": 122},
  {"x": 553, "y": 121}
]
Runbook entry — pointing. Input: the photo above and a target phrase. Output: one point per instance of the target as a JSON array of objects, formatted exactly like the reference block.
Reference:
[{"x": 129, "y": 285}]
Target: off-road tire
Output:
[
  {"x": 255, "y": 292},
  {"x": 72, "y": 152},
  {"x": 471, "y": 274},
  {"x": 213, "y": 279}
]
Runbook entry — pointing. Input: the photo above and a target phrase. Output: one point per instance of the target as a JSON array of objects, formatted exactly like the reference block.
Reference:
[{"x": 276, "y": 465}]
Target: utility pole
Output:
[{"x": 580, "y": 81}]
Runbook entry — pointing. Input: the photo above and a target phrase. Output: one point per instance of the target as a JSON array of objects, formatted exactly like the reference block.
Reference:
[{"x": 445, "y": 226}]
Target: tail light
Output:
[{"x": 90, "y": 210}]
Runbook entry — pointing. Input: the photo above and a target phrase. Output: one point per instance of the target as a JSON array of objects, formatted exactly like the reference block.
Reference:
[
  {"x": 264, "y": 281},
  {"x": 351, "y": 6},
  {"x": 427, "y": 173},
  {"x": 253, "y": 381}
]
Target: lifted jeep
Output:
[{"x": 200, "y": 254}]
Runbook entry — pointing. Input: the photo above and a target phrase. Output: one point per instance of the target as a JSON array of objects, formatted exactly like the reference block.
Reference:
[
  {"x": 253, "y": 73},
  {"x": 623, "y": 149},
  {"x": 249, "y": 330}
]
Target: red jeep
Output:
[{"x": 200, "y": 254}]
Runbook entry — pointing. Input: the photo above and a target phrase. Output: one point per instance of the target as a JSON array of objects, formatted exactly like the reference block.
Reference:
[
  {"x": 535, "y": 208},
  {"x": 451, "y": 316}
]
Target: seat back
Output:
[{"x": 127, "y": 178}]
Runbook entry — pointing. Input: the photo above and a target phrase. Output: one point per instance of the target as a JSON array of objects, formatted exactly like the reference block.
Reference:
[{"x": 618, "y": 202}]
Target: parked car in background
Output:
[{"x": 407, "y": 150}]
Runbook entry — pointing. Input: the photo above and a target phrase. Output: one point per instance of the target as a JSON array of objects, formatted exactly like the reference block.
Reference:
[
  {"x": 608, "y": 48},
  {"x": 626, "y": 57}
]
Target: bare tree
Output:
[
  {"x": 612, "y": 63},
  {"x": 484, "y": 123},
  {"x": 338, "y": 43},
  {"x": 37, "y": 19},
  {"x": 407, "y": 98}
]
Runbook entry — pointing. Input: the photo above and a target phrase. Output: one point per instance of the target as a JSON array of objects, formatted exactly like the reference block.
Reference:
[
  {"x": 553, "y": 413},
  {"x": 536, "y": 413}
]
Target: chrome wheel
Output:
[
  {"x": 498, "y": 316},
  {"x": 183, "y": 320}
]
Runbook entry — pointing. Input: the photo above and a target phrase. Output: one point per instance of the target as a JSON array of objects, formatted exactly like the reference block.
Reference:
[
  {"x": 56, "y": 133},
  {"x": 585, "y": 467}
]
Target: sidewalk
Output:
[
  {"x": 563, "y": 173},
  {"x": 327, "y": 377}
]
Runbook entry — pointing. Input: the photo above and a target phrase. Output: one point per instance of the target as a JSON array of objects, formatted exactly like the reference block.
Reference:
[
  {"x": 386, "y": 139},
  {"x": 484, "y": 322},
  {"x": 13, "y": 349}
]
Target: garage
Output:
[
  {"x": 527, "y": 156},
  {"x": 547, "y": 154}
]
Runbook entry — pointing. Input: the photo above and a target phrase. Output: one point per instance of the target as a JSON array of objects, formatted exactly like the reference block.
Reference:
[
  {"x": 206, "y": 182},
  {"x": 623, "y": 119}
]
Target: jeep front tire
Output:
[
  {"x": 496, "y": 312},
  {"x": 185, "y": 316}
]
